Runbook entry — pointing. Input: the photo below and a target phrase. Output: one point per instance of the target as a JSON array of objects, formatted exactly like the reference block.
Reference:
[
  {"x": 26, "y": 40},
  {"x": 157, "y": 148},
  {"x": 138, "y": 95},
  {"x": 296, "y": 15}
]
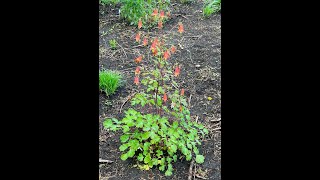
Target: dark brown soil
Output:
[{"x": 200, "y": 76}]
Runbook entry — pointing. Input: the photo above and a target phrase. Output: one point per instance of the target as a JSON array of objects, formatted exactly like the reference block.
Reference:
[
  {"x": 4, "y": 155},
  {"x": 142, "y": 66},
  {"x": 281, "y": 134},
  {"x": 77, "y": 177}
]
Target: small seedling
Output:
[{"x": 113, "y": 44}]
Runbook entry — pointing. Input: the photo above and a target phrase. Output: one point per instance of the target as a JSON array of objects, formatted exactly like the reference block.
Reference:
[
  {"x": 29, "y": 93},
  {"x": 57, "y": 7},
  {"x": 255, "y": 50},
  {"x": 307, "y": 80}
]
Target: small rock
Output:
[{"x": 198, "y": 65}]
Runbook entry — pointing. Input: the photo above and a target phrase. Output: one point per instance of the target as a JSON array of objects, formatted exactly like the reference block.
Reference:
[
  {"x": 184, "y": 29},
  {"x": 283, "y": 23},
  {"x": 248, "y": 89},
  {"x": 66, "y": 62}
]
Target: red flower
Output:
[
  {"x": 139, "y": 24},
  {"x": 161, "y": 14},
  {"x": 155, "y": 12},
  {"x": 137, "y": 71},
  {"x": 182, "y": 92},
  {"x": 136, "y": 80},
  {"x": 177, "y": 71},
  {"x": 180, "y": 29},
  {"x": 160, "y": 26},
  {"x": 165, "y": 98},
  {"x": 166, "y": 55},
  {"x": 145, "y": 41},
  {"x": 138, "y": 37},
  {"x": 154, "y": 44},
  {"x": 155, "y": 52},
  {"x": 138, "y": 59},
  {"x": 173, "y": 49}
]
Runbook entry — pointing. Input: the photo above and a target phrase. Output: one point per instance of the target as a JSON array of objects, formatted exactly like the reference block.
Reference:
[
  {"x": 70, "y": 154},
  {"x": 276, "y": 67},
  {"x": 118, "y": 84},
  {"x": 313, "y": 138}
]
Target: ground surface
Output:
[{"x": 199, "y": 55}]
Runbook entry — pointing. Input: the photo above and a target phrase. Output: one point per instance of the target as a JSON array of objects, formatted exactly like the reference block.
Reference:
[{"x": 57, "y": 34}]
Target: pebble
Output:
[{"x": 198, "y": 65}]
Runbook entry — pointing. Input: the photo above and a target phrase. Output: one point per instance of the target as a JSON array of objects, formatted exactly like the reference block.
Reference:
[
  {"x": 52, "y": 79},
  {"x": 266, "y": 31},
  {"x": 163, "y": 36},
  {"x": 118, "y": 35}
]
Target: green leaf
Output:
[
  {"x": 154, "y": 161},
  {"x": 188, "y": 157},
  {"x": 205, "y": 131},
  {"x": 125, "y": 128},
  {"x": 146, "y": 146},
  {"x": 196, "y": 150},
  {"x": 184, "y": 150},
  {"x": 159, "y": 153},
  {"x": 145, "y": 135},
  {"x": 173, "y": 148},
  {"x": 146, "y": 127},
  {"x": 169, "y": 160},
  {"x": 134, "y": 144},
  {"x": 123, "y": 147},
  {"x": 139, "y": 122},
  {"x": 131, "y": 153},
  {"x": 155, "y": 127},
  {"x": 189, "y": 145},
  {"x": 124, "y": 157},
  {"x": 168, "y": 173},
  {"x": 162, "y": 167},
  {"x": 140, "y": 157},
  {"x": 175, "y": 125},
  {"x": 199, "y": 159},
  {"x": 176, "y": 134},
  {"x": 124, "y": 138},
  {"x": 147, "y": 159},
  {"x": 174, "y": 158},
  {"x": 107, "y": 124}
]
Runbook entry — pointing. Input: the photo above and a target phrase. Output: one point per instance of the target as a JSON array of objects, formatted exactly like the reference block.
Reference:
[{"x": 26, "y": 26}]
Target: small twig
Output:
[
  {"x": 190, "y": 170},
  {"x": 189, "y": 100},
  {"x": 105, "y": 161},
  {"x": 219, "y": 128},
  {"x": 190, "y": 56},
  {"x": 123, "y": 50},
  {"x": 218, "y": 120},
  {"x": 130, "y": 96},
  {"x": 197, "y": 119},
  {"x": 195, "y": 170},
  {"x": 200, "y": 177}
]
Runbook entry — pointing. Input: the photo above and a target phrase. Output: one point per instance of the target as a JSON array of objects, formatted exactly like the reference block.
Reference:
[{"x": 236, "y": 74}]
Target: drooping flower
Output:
[
  {"x": 138, "y": 37},
  {"x": 145, "y": 41},
  {"x": 139, "y": 24},
  {"x": 180, "y": 108},
  {"x": 138, "y": 59},
  {"x": 137, "y": 71},
  {"x": 166, "y": 55},
  {"x": 154, "y": 52},
  {"x": 155, "y": 12},
  {"x": 180, "y": 29},
  {"x": 136, "y": 80},
  {"x": 154, "y": 44},
  {"x": 177, "y": 71},
  {"x": 173, "y": 49},
  {"x": 161, "y": 14},
  {"x": 160, "y": 26},
  {"x": 182, "y": 92},
  {"x": 165, "y": 98}
]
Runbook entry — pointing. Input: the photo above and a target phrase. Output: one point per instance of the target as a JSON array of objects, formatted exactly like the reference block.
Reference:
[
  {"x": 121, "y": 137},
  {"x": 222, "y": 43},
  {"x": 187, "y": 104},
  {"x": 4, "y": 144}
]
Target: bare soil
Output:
[{"x": 199, "y": 55}]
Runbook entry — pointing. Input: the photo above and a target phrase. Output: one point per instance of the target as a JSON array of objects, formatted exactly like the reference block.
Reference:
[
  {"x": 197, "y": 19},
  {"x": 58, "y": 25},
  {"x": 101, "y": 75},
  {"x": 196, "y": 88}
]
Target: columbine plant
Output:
[{"x": 159, "y": 131}]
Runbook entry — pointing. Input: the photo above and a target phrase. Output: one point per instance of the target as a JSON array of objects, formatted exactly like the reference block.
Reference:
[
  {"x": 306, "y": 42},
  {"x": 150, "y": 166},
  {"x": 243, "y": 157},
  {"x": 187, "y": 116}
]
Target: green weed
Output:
[{"x": 109, "y": 81}]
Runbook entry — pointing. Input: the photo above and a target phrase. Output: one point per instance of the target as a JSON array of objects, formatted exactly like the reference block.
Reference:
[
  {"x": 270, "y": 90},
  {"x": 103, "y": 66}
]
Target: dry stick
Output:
[
  {"x": 189, "y": 100},
  {"x": 123, "y": 50},
  {"x": 218, "y": 120},
  {"x": 130, "y": 96},
  {"x": 195, "y": 170},
  {"x": 105, "y": 161},
  {"x": 190, "y": 170},
  {"x": 200, "y": 177}
]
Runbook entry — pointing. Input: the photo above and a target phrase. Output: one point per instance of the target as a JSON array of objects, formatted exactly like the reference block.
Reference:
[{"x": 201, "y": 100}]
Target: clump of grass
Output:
[
  {"x": 211, "y": 6},
  {"x": 109, "y": 81}
]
